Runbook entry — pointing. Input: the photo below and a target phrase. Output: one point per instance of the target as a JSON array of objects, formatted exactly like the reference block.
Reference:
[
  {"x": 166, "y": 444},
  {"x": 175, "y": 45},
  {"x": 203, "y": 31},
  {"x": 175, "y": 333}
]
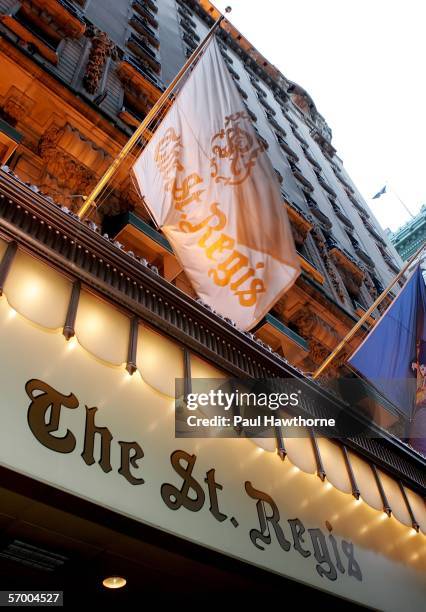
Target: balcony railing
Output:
[
  {"x": 274, "y": 123},
  {"x": 286, "y": 147},
  {"x": 341, "y": 214},
  {"x": 144, "y": 70},
  {"x": 144, "y": 50},
  {"x": 143, "y": 10},
  {"x": 360, "y": 252},
  {"x": 142, "y": 26},
  {"x": 325, "y": 185}
]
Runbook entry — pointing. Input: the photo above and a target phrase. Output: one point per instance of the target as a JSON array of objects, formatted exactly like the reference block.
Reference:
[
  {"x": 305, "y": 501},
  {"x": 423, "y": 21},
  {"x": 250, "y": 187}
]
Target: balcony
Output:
[
  {"x": 137, "y": 81},
  {"x": 342, "y": 180},
  {"x": 341, "y": 214},
  {"x": 282, "y": 98},
  {"x": 191, "y": 33},
  {"x": 142, "y": 26},
  {"x": 250, "y": 113},
  {"x": 146, "y": 12},
  {"x": 152, "y": 5},
  {"x": 286, "y": 148},
  {"x": 131, "y": 117},
  {"x": 297, "y": 173},
  {"x": 264, "y": 103},
  {"x": 234, "y": 74},
  {"x": 242, "y": 93},
  {"x": 142, "y": 49},
  {"x": 140, "y": 237},
  {"x": 289, "y": 118},
  {"x": 257, "y": 87},
  {"x": 261, "y": 139},
  {"x": 357, "y": 205},
  {"x": 299, "y": 137},
  {"x": 311, "y": 159},
  {"x": 374, "y": 233},
  {"x": 300, "y": 224},
  {"x": 325, "y": 145},
  {"x": 274, "y": 123},
  {"x": 317, "y": 212},
  {"x": 186, "y": 14},
  {"x": 324, "y": 184},
  {"x": 360, "y": 252}
]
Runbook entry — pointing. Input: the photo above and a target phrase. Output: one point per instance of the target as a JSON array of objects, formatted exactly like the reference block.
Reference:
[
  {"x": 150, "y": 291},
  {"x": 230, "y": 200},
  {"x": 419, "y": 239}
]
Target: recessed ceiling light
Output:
[{"x": 114, "y": 582}]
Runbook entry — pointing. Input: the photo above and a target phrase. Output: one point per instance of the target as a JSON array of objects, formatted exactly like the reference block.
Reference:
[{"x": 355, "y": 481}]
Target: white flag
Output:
[{"x": 213, "y": 191}]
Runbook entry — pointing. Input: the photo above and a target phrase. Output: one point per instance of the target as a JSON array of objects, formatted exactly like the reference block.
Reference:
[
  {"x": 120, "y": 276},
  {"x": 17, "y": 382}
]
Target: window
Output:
[
  {"x": 279, "y": 175},
  {"x": 189, "y": 41},
  {"x": 143, "y": 9},
  {"x": 274, "y": 123},
  {"x": 255, "y": 83},
  {"x": 186, "y": 14},
  {"x": 261, "y": 138},
  {"x": 131, "y": 105},
  {"x": 264, "y": 103},
  {"x": 234, "y": 74},
  {"x": 286, "y": 148},
  {"x": 142, "y": 26},
  {"x": 141, "y": 47},
  {"x": 242, "y": 92},
  {"x": 188, "y": 29}
]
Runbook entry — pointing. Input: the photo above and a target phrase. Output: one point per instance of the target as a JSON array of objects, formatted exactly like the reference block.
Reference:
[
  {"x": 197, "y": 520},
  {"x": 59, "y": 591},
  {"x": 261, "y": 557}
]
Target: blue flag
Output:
[
  {"x": 393, "y": 356},
  {"x": 379, "y": 193}
]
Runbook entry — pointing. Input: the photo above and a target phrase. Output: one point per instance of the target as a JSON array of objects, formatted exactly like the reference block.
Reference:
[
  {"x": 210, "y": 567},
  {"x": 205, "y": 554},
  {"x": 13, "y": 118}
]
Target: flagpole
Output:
[
  {"x": 400, "y": 201},
  {"x": 158, "y": 106},
  {"x": 365, "y": 316}
]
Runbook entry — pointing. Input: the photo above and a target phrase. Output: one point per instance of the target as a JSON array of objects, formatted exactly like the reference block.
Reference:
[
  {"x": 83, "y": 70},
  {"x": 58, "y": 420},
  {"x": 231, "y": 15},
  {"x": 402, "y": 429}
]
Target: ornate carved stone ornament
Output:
[
  {"x": 334, "y": 277},
  {"x": 72, "y": 175},
  {"x": 102, "y": 48}
]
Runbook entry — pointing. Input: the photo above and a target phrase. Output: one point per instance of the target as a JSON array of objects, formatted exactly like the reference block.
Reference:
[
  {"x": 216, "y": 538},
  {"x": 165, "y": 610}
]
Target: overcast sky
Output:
[{"x": 363, "y": 63}]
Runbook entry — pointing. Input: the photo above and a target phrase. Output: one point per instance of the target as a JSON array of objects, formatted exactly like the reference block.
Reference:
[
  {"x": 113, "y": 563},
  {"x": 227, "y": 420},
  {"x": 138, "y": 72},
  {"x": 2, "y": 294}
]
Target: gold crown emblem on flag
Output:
[{"x": 240, "y": 150}]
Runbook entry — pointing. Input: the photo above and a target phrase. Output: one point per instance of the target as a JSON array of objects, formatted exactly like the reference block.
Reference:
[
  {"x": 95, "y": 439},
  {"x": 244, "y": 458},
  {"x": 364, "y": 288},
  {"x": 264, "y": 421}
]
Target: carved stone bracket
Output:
[
  {"x": 102, "y": 48},
  {"x": 312, "y": 327},
  {"x": 68, "y": 173},
  {"x": 333, "y": 275}
]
